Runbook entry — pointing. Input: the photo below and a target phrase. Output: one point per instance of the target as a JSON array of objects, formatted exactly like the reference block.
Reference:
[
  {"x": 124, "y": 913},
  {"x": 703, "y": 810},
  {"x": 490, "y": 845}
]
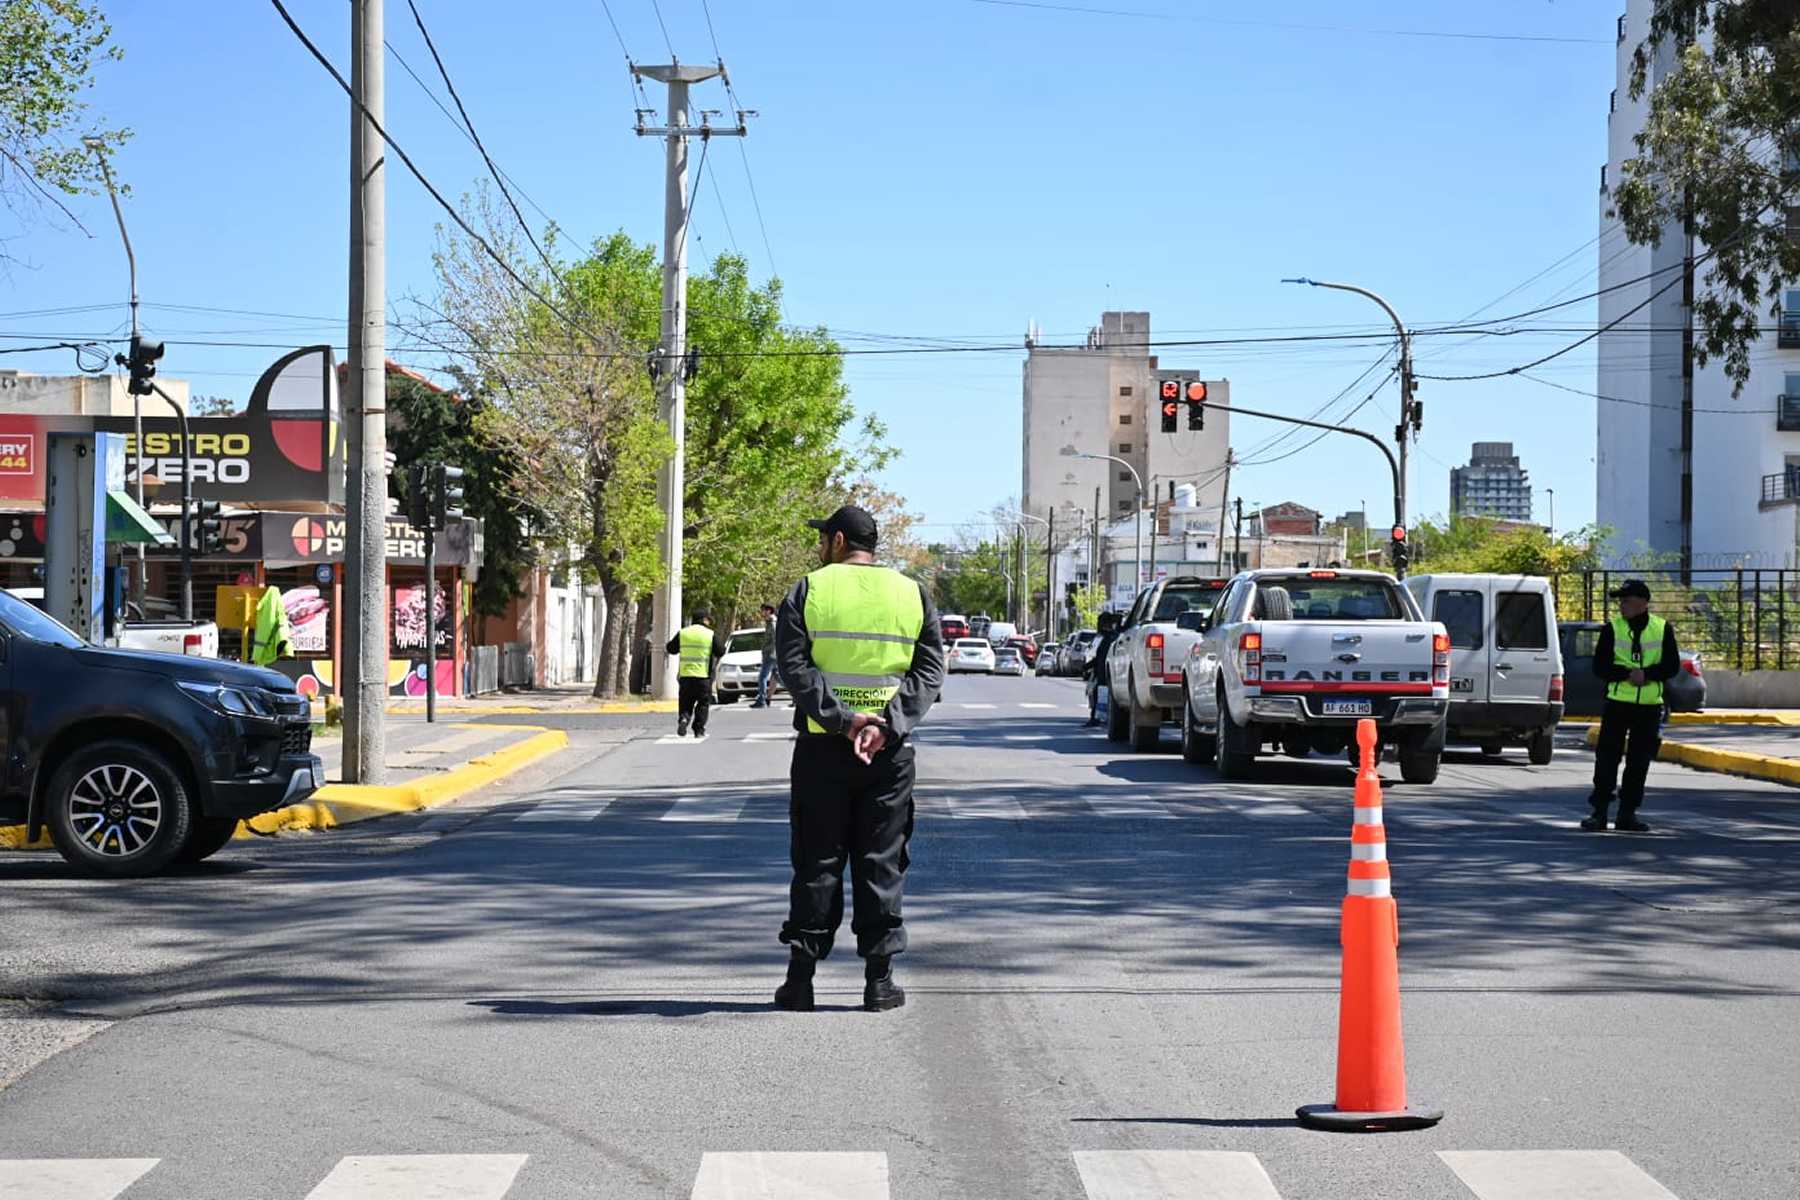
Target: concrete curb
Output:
[
  {"x": 345, "y": 804},
  {"x": 1722, "y": 762},
  {"x": 517, "y": 710},
  {"x": 1745, "y": 717}
]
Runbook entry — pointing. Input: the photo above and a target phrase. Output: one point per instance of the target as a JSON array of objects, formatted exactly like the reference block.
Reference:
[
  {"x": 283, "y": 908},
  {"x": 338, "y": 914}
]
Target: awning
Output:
[{"x": 128, "y": 523}]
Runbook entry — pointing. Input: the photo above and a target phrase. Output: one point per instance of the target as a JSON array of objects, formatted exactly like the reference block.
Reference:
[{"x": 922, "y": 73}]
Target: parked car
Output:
[
  {"x": 1008, "y": 661},
  {"x": 1506, "y": 660},
  {"x": 1144, "y": 665},
  {"x": 1026, "y": 645},
  {"x": 164, "y": 633},
  {"x": 1295, "y": 658},
  {"x": 1073, "y": 660},
  {"x": 1047, "y": 660},
  {"x": 970, "y": 654},
  {"x": 741, "y": 666},
  {"x": 135, "y": 760},
  {"x": 953, "y": 626},
  {"x": 1585, "y": 695}
]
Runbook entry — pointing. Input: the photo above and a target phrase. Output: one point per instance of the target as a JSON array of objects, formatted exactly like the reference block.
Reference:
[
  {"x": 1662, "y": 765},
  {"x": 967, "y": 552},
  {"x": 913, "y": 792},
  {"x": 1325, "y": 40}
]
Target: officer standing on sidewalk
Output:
[
  {"x": 861, "y": 653},
  {"x": 1635, "y": 656},
  {"x": 699, "y": 648}
]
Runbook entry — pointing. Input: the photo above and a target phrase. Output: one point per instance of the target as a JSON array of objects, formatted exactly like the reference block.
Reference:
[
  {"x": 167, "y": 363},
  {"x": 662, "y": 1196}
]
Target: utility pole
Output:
[
  {"x": 365, "y": 651},
  {"x": 1050, "y": 605},
  {"x": 137, "y": 401},
  {"x": 1096, "y": 577},
  {"x": 670, "y": 371},
  {"x": 1224, "y": 499},
  {"x": 1687, "y": 389},
  {"x": 1237, "y": 534}
]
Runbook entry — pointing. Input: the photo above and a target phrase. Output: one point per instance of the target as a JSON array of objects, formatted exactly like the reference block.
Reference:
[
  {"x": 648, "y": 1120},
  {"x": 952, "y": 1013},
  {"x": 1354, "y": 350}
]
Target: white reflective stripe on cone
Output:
[
  {"x": 1369, "y": 851},
  {"x": 1368, "y": 814},
  {"x": 1370, "y": 887}
]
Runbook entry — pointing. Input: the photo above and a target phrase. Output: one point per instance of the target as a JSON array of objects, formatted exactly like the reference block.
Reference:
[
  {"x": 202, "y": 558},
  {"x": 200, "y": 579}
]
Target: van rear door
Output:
[
  {"x": 1524, "y": 650},
  {"x": 1462, "y": 606}
]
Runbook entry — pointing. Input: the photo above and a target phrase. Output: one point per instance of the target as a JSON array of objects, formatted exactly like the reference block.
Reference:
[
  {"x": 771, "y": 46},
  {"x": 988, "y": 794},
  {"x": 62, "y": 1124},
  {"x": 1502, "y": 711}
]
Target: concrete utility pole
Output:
[
  {"x": 98, "y": 147},
  {"x": 365, "y": 650},
  {"x": 1224, "y": 501},
  {"x": 671, "y": 354}
]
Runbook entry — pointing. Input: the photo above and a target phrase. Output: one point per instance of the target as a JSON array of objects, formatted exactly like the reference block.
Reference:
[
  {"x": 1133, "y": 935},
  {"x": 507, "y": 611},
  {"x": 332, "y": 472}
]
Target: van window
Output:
[
  {"x": 1461, "y": 614},
  {"x": 1519, "y": 622},
  {"x": 1583, "y": 643}
]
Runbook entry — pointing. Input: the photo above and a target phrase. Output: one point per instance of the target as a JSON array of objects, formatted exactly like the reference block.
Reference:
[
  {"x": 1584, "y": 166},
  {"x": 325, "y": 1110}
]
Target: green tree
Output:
[
  {"x": 48, "y": 52},
  {"x": 1720, "y": 155},
  {"x": 1089, "y": 601}
]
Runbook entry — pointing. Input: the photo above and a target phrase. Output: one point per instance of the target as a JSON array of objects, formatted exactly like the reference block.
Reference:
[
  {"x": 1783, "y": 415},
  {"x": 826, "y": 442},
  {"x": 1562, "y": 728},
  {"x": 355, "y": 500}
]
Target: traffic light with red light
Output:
[
  {"x": 1398, "y": 550},
  {"x": 1171, "y": 404},
  {"x": 1195, "y": 395}
]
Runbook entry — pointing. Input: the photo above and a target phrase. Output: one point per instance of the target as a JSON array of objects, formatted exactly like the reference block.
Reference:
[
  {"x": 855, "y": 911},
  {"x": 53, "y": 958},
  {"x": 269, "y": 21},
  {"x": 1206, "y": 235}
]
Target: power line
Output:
[
  {"x": 706, "y": 7},
  {"x": 1563, "y": 387},
  {"x": 657, "y": 9},
  {"x": 1142, "y": 14}
]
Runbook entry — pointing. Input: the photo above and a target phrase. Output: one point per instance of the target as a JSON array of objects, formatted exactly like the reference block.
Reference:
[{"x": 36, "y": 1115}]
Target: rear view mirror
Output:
[{"x": 1195, "y": 620}]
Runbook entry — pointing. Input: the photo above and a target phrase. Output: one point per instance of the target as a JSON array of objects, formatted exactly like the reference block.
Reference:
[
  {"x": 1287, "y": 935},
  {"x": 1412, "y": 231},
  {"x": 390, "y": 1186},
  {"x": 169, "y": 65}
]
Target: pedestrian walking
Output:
[
  {"x": 1095, "y": 668},
  {"x": 768, "y": 657},
  {"x": 1635, "y": 657},
  {"x": 699, "y": 649},
  {"x": 862, "y": 655}
]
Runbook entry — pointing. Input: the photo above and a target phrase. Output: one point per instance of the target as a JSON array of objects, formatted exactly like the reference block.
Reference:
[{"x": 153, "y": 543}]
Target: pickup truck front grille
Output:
[{"x": 296, "y": 740}]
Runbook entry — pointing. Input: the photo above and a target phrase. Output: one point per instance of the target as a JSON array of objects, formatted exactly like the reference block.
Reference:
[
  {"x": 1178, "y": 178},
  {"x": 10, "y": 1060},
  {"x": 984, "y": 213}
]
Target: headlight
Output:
[{"x": 236, "y": 702}]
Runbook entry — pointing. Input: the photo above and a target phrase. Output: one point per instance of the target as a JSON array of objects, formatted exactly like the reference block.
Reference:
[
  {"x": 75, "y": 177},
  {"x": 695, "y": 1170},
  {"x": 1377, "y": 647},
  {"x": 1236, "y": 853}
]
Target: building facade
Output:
[
  {"x": 1101, "y": 398},
  {"x": 1684, "y": 468},
  {"x": 1493, "y": 484}
]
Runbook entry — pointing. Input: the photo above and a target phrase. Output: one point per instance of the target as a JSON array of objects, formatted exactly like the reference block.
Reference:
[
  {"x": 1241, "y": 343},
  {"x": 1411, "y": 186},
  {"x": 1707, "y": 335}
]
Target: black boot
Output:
[
  {"x": 796, "y": 995},
  {"x": 1628, "y": 822},
  {"x": 1595, "y": 821},
  {"x": 681, "y": 727},
  {"x": 880, "y": 992}
]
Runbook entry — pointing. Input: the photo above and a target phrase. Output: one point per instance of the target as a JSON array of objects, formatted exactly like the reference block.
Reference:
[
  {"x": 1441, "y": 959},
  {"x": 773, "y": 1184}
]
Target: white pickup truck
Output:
[
  {"x": 1143, "y": 668},
  {"x": 1294, "y": 658},
  {"x": 164, "y": 635}
]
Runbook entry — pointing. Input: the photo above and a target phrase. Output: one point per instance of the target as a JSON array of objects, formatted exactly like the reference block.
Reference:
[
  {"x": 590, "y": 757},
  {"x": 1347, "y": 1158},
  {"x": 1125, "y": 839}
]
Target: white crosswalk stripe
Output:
[
  {"x": 420, "y": 1177},
  {"x": 1126, "y": 806},
  {"x": 1030, "y": 704},
  {"x": 1173, "y": 1175},
  {"x": 789, "y": 736},
  {"x": 821, "y": 1176},
  {"x": 715, "y": 805},
  {"x": 568, "y": 808},
  {"x": 983, "y": 706},
  {"x": 987, "y": 807},
  {"x": 70, "y": 1178},
  {"x": 1553, "y": 1175}
]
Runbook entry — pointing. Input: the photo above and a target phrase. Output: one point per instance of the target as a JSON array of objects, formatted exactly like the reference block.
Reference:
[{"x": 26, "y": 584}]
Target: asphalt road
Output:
[{"x": 1122, "y": 982}]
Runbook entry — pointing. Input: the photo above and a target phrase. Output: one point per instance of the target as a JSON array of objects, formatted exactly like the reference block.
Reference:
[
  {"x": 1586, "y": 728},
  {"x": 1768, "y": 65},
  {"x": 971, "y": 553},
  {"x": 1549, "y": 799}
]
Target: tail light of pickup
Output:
[
  {"x": 193, "y": 644},
  {"x": 1440, "y": 660},
  {"x": 1154, "y": 644},
  {"x": 1250, "y": 658},
  {"x": 1556, "y": 688}
]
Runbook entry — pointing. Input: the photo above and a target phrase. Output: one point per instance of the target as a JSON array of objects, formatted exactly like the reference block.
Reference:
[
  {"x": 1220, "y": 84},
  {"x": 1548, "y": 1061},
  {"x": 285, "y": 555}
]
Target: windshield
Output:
[
  {"x": 1339, "y": 599},
  {"x": 20, "y": 617},
  {"x": 751, "y": 639},
  {"x": 1177, "y": 600}
]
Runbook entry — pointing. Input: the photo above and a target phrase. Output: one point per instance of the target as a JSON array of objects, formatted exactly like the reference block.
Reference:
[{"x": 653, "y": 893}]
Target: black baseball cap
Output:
[
  {"x": 1632, "y": 587},
  {"x": 857, "y": 526}
]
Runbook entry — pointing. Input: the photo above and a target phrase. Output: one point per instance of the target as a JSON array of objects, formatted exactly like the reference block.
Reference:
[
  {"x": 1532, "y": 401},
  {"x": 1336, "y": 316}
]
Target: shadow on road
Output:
[{"x": 634, "y": 1008}]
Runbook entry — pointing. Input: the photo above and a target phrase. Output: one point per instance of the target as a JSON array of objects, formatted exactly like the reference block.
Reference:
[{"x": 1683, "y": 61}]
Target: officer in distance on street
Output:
[
  {"x": 861, "y": 653},
  {"x": 699, "y": 649},
  {"x": 1635, "y": 656}
]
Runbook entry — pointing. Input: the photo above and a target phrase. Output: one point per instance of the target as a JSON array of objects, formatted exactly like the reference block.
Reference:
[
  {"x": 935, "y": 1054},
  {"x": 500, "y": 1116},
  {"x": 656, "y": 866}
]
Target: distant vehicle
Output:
[
  {"x": 1143, "y": 667},
  {"x": 1295, "y": 658},
  {"x": 978, "y": 626},
  {"x": 1073, "y": 660},
  {"x": 1008, "y": 661},
  {"x": 164, "y": 635},
  {"x": 1027, "y": 645},
  {"x": 135, "y": 760},
  {"x": 971, "y": 654},
  {"x": 741, "y": 666},
  {"x": 1585, "y": 695},
  {"x": 1506, "y": 661},
  {"x": 999, "y": 633},
  {"x": 1047, "y": 660},
  {"x": 953, "y": 626}
]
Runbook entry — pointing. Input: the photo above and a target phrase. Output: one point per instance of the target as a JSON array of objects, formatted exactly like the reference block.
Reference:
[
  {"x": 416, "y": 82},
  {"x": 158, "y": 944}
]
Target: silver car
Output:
[
  {"x": 970, "y": 654},
  {"x": 1008, "y": 661}
]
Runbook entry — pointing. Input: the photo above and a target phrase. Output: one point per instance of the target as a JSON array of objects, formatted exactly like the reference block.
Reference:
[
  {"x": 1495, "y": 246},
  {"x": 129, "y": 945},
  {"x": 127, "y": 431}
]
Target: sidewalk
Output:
[
  {"x": 562, "y": 698},
  {"x": 1757, "y": 748}
]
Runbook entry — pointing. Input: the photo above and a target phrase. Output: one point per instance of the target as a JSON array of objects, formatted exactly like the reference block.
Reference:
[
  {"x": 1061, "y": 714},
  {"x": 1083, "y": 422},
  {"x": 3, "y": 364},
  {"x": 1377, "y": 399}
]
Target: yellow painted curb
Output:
[
  {"x": 1757, "y": 717},
  {"x": 517, "y": 710},
  {"x": 1723, "y": 762}
]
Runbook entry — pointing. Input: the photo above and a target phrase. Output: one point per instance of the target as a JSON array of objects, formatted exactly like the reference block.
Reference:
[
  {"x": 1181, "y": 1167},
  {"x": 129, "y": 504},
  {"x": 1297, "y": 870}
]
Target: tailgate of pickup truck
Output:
[{"x": 1324, "y": 656}]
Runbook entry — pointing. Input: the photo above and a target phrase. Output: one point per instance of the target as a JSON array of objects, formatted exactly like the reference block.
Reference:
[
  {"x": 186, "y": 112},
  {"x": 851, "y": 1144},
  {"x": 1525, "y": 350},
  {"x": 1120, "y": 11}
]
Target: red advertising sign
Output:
[{"x": 18, "y": 453}]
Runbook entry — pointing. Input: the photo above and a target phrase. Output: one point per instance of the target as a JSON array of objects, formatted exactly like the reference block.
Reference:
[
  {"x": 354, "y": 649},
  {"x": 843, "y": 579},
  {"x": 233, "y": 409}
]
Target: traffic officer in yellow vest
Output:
[
  {"x": 1635, "y": 656},
  {"x": 862, "y": 655},
  {"x": 699, "y": 648}
]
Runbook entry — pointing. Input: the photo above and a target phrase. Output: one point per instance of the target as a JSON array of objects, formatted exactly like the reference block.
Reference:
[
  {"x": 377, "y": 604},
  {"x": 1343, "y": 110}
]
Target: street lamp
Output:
[
  {"x": 1552, "y": 492},
  {"x": 1025, "y": 568},
  {"x": 1137, "y": 563},
  {"x": 1410, "y": 411}
]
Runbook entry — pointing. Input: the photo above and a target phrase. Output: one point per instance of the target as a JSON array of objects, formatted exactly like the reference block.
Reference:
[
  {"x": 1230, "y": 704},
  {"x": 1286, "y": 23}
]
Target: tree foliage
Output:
[
  {"x": 1477, "y": 545},
  {"x": 48, "y": 52},
  {"x": 1720, "y": 154}
]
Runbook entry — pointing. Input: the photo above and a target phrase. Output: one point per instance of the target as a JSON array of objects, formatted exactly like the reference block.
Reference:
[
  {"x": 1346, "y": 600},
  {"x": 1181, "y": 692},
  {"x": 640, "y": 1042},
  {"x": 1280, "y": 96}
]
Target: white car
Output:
[
  {"x": 741, "y": 666},
  {"x": 970, "y": 654},
  {"x": 1008, "y": 661}
]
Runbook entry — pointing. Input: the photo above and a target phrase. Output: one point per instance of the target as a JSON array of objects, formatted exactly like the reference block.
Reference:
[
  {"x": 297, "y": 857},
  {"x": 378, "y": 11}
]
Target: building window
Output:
[
  {"x": 1621, "y": 27},
  {"x": 1125, "y": 418},
  {"x": 1124, "y": 447},
  {"x": 1125, "y": 391},
  {"x": 1124, "y": 504},
  {"x": 1124, "y": 476},
  {"x": 1787, "y": 336}
]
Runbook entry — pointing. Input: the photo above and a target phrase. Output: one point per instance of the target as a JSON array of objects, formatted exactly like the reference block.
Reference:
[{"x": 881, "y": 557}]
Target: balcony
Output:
[
  {"x": 1781, "y": 489},
  {"x": 1787, "y": 414},
  {"x": 1787, "y": 334}
]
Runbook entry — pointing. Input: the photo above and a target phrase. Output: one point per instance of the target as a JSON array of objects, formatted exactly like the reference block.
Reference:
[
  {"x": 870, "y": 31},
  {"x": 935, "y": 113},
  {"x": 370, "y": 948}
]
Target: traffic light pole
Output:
[
  {"x": 430, "y": 621},
  {"x": 187, "y": 505}
]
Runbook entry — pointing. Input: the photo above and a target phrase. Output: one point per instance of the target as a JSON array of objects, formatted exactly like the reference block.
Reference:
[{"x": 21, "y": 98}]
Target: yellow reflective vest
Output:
[
  {"x": 862, "y": 623},
  {"x": 696, "y": 652},
  {"x": 272, "y": 637},
  {"x": 1650, "y": 644}
]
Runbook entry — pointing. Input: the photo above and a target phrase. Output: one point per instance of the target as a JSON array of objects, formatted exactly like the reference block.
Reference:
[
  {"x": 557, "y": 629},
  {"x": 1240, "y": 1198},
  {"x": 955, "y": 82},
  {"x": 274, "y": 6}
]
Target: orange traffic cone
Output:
[{"x": 1371, "y": 1068}]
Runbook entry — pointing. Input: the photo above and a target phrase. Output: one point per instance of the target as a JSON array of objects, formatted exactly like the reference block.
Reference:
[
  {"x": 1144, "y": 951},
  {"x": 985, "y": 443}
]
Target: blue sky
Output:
[{"x": 949, "y": 169}]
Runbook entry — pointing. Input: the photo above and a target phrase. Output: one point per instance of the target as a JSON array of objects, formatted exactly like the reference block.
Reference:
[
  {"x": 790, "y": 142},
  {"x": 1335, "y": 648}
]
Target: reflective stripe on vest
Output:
[
  {"x": 862, "y": 624},
  {"x": 696, "y": 652},
  {"x": 1650, "y": 646}
]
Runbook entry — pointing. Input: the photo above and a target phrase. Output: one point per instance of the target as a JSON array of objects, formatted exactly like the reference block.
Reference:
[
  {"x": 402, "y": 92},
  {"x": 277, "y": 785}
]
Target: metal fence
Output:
[
  {"x": 484, "y": 670},
  {"x": 516, "y": 666},
  {"x": 1745, "y": 619}
]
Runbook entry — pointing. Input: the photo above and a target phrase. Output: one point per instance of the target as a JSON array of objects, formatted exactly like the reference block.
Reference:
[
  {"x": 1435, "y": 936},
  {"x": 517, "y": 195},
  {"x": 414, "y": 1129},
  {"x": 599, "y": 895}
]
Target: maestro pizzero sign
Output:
[{"x": 322, "y": 538}]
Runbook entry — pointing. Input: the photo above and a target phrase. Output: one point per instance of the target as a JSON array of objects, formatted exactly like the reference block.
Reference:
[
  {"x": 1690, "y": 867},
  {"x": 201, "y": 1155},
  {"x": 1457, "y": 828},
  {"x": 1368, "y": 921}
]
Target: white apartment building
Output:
[
  {"x": 1492, "y": 484},
  {"x": 1720, "y": 487},
  {"x": 1101, "y": 398}
]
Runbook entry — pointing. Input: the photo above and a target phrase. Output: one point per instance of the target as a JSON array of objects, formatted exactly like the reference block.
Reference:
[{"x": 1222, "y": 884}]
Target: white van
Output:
[
  {"x": 1506, "y": 668},
  {"x": 999, "y": 632}
]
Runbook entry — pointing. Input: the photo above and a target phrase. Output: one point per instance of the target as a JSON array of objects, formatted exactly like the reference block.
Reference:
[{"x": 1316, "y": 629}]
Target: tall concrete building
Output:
[
  {"x": 1493, "y": 484},
  {"x": 1684, "y": 468},
  {"x": 1101, "y": 398}
]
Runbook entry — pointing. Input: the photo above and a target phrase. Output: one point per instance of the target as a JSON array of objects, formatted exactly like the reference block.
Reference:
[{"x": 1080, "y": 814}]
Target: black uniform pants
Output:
[
  {"x": 844, "y": 812},
  {"x": 695, "y": 697},
  {"x": 1633, "y": 731}
]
